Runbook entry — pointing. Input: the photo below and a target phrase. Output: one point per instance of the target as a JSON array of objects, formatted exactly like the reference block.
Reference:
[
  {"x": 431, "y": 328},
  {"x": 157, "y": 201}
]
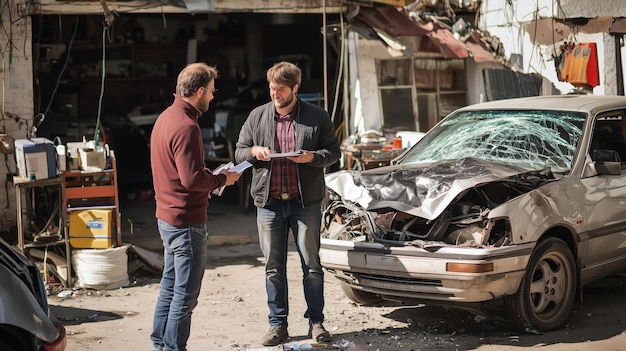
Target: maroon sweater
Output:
[{"x": 181, "y": 181}]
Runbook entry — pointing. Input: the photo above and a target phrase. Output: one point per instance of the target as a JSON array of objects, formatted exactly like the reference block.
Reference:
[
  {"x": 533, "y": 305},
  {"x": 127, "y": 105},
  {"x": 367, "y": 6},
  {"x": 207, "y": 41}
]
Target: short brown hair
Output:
[
  {"x": 193, "y": 77},
  {"x": 284, "y": 73}
]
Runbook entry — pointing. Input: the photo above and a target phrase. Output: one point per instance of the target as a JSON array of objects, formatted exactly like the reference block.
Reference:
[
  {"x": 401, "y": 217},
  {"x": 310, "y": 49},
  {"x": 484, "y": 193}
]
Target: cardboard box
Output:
[
  {"x": 90, "y": 159},
  {"x": 91, "y": 243},
  {"x": 91, "y": 229},
  {"x": 92, "y": 222},
  {"x": 36, "y": 156}
]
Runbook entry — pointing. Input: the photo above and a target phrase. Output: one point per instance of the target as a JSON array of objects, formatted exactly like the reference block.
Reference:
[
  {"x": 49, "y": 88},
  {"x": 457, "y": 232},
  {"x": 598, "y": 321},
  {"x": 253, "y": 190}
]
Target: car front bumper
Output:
[
  {"x": 60, "y": 343},
  {"x": 410, "y": 272}
]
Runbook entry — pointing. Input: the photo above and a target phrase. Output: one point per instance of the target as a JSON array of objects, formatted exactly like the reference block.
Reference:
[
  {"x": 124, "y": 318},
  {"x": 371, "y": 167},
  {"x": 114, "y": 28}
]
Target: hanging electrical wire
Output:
[
  {"x": 23, "y": 11},
  {"x": 340, "y": 70},
  {"x": 67, "y": 59},
  {"x": 105, "y": 30},
  {"x": 163, "y": 17},
  {"x": 9, "y": 35},
  {"x": 534, "y": 39},
  {"x": 341, "y": 77}
]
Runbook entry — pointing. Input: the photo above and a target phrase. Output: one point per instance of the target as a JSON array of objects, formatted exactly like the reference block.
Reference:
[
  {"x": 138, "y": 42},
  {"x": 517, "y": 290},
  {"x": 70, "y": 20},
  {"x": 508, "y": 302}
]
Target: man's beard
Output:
[
  {"x": 286, "y": 102},
  {"x": 203, "y": 106}
]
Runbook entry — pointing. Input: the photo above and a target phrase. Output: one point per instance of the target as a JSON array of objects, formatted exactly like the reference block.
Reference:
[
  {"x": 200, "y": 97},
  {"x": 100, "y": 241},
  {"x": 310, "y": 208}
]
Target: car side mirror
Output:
[
  {"x": 603, "y": 168},
  {"x": 604, "y": 155},
  {"x": 603, "y": 162}
]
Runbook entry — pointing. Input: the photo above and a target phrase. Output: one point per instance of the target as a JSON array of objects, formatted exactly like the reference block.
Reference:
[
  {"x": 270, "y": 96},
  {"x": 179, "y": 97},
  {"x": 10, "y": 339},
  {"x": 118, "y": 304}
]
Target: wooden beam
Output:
[
  {"x": 146, "y": 6},
  {"x": 394, "y": 2}
]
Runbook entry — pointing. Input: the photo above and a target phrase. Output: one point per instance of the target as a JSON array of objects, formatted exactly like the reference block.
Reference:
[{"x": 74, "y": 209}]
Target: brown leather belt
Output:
[{"x": 284, "y": 196}]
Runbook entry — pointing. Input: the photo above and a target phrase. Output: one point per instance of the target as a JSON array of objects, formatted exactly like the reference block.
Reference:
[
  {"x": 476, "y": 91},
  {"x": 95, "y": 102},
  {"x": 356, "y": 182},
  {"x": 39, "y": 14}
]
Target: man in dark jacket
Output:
[{"x": 289, "y": 142}]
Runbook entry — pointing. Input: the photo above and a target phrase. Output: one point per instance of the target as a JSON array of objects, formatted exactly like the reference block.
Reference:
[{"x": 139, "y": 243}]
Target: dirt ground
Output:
[
  {"x": 232, "y": 312},
  {"x": 232, "y": 315}
]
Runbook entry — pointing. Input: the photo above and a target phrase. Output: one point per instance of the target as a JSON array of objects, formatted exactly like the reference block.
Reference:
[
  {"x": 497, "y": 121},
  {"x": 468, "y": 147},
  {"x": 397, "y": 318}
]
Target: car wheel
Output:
[
  {"x": 359, "y": 296},
  {"x": 545, "y": 296},
  {"x": 4, "y": 346}
]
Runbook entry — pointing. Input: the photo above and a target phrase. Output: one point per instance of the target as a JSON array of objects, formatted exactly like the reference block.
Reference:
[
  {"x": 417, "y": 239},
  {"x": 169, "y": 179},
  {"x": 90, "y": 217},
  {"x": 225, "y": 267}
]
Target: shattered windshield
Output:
[{"x": 528, "y": 139}]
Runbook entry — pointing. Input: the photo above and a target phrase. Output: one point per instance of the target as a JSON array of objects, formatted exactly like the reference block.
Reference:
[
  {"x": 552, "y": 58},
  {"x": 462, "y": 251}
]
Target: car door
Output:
[{"x": 605, "y": 197}]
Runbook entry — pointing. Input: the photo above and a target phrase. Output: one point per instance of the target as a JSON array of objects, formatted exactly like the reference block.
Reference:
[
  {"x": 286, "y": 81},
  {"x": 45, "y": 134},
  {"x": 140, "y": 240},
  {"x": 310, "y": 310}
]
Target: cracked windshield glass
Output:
[{"x": 527, "y": 139}]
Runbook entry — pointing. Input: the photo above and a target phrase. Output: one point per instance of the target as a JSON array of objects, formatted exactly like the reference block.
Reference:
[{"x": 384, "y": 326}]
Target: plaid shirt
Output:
[{"x": 284, "y": 172}]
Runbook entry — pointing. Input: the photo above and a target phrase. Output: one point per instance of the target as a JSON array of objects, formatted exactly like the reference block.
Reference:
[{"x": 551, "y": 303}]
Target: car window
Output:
[
  {"x": 527, "y": 139},
  {"x": 608, "y": 142}
]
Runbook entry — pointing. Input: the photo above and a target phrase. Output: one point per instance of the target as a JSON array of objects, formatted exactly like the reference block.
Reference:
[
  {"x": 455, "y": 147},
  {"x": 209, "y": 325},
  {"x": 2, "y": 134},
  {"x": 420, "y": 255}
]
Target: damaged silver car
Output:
[{"x": 519, "y": 200}]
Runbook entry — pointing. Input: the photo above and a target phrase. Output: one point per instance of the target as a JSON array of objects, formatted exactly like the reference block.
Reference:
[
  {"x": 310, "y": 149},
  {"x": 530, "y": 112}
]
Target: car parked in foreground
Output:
[
  {"x": 25, "y": 321},
  {"x": 520, "y": 200}
]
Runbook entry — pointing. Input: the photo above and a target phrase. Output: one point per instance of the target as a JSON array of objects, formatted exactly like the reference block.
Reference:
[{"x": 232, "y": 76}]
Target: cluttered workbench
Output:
[
  {"x": 81, "y": 204},
  {"x": 372, "y": 150},
  {"x": 364, "y": 156}
]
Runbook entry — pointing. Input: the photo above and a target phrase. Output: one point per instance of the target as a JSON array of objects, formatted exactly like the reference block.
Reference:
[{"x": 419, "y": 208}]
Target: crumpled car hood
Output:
[{"x": 424, "y": 189}]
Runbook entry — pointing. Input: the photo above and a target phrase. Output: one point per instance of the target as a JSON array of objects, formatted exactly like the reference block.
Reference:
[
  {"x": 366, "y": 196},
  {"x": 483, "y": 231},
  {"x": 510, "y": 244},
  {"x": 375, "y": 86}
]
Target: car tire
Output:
[
  {"x": 4, "y": 346},
  {"x": 359, "y": 296},
  {"x": 546, "y": 294}
]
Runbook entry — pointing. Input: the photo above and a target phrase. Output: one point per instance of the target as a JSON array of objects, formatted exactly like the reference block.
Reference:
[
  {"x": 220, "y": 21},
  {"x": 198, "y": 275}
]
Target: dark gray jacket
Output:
[{"x": 314, "y": 132}]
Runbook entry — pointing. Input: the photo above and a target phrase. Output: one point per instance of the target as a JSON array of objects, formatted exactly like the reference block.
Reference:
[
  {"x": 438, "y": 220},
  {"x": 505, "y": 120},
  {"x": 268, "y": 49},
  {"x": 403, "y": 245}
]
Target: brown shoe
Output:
[
  {"x": 318, "y": 333},
  {"x": 275, "y": 336}
]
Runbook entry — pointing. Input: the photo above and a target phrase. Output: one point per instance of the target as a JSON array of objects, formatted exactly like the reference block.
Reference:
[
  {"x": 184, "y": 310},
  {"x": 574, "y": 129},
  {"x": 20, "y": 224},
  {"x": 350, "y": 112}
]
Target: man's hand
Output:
[
  {"x": 231, "y": 177},
  {"x": 261, "y": 152},
  {"x": 305, "y": 157}
]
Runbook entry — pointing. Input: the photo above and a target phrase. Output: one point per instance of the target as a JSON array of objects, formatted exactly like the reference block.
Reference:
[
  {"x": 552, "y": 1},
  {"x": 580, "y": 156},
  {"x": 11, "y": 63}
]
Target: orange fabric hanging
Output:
[
  {"x": 581, "y": 66},
  {"x": 568, "y": 60}
]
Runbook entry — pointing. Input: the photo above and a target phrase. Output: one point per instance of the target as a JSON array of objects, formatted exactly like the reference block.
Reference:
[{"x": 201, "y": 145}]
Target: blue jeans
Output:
[
  {"x": 274, "y": 222},
  {"x": 184, "y": 256}
]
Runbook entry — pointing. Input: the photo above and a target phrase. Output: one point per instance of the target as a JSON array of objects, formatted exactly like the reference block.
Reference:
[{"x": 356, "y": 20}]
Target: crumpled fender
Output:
[{"x": 19, "y": 308}]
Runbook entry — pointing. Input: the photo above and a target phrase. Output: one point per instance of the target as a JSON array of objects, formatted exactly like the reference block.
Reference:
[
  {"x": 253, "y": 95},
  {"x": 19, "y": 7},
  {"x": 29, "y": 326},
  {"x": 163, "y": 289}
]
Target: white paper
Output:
[
  {"x": 219, "y": 168},
  {"x": 241, "y": 167},
  {"x": 284, "y": 154},
  {"x": 216, "y": 171},
  {"x": 231, "y": 168}
]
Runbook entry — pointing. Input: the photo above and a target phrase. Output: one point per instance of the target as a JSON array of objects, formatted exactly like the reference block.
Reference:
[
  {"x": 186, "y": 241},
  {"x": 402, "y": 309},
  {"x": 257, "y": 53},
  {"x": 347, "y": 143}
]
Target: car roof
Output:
[{"x": 590, "y": 104}]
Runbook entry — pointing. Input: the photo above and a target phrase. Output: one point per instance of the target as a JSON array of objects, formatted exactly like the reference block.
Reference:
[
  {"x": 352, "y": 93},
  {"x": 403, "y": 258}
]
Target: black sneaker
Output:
[
  {"x": 275, "y": 336},
  {"x": 318, "y": 333}
]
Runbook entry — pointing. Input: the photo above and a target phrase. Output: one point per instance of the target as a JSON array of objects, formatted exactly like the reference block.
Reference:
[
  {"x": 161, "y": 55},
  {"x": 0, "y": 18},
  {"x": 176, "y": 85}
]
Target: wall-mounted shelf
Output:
[{"x": 135, "y": 74}]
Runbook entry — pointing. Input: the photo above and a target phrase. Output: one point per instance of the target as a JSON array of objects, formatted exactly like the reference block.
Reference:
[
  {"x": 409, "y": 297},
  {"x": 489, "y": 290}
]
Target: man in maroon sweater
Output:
[{"x": 182, "y": 185}]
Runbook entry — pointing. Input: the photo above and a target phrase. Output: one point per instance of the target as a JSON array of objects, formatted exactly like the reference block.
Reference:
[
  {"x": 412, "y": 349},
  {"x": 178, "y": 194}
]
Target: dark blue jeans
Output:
[
  {"x": 184, "y": 256},
  {"x": 274, "y": 222}
]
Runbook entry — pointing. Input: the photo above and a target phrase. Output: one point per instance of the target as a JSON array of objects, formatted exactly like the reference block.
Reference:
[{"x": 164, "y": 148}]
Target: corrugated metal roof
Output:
[
  {"x": 389, "y": 20},
  {"x": 395, "y": 23}
]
